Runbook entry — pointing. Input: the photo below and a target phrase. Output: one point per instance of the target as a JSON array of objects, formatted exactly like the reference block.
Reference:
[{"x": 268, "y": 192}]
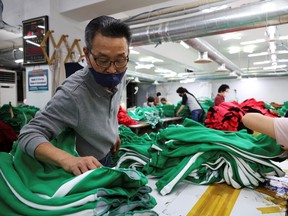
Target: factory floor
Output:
[{"x": 220, "y": 199}]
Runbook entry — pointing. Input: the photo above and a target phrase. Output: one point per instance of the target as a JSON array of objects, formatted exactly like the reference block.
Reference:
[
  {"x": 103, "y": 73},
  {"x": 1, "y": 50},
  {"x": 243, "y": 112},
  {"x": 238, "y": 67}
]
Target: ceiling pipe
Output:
[
  {"x": 174, "y": 11},
  {"x": 260, "y": 14}
]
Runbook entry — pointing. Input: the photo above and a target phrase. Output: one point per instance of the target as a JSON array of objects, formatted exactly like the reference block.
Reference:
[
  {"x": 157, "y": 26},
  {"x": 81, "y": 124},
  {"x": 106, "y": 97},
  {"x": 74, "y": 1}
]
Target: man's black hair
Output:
[{"x": 108, "y": 27}]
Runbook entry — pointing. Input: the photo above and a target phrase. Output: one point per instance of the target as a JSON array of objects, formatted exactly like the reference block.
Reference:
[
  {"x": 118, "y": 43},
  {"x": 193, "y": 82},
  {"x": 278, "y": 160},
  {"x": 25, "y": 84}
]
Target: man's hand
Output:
[
  {"x": 79, "y": 165},
  {"x": 116, "y": 146}
]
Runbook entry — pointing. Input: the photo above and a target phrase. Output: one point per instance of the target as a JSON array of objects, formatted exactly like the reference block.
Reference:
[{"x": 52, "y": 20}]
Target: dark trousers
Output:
[
  {"x": 106, "y": 161},
  {"x": 196, "y": 115}
]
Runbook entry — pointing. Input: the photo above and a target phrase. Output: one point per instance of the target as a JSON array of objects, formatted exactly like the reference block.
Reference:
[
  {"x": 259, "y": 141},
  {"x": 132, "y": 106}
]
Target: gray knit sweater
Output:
[{"x": 85, "y": 106}]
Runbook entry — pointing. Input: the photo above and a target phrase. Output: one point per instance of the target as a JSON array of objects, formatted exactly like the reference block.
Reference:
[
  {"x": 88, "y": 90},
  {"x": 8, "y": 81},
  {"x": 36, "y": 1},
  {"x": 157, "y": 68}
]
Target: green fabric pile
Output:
[
  {"x": 134, "y": 152},
  {"x": 17, "y": 116},
  {"x": 205, "y": 156},
  {"x": 150, "y": 115},
  {"x": 167, "y": 110},
  {"x": 29, "y": 187}
]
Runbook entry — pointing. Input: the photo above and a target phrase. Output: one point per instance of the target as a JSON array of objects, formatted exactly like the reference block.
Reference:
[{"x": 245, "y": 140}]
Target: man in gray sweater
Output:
[{"x": 88, "y": 102}]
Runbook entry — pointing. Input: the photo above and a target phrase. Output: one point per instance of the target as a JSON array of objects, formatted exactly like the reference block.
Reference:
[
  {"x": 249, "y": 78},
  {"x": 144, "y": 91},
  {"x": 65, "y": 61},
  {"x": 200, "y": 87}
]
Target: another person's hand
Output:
[
  {"x": 79, "y": 165},
  {"x": 116, "y": 146}
]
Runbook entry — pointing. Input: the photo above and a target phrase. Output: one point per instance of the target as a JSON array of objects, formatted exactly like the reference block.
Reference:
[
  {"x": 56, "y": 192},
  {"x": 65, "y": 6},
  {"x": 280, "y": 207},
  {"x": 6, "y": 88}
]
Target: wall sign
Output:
[
  {"x": 38, "y": 80},
  {"x": 34, "y": 31}
]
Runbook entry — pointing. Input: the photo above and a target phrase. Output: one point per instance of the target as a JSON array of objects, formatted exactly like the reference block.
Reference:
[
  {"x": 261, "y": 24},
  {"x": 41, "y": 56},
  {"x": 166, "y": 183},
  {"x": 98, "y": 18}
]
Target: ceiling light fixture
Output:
[
  {"x": 155, "y": 82},
  {"x": 258, "y": 54},
  {"x": 150, "y": 59},
  {"x": 137, "y": 80},
  {"x": 222, "y": 68},
  {"x": 203, "y": 58},
  {"x": 143, "y": 66},
  {"x": 249, "y": 48},
  {"x": 274, "y": 67},
  {"x": 134, "y": 52},
  {"x": 253, "y": 42},
  {"x": 234, "y": 49},
  {"x": 231, "y": 36},
  {"x": 188, "y": 80},
  {"x": 261, "y": 62}
]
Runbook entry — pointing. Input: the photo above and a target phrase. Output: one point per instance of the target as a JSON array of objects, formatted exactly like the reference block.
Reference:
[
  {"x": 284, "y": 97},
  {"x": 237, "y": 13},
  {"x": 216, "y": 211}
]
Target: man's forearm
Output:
[{"x": 48, "y": 153}]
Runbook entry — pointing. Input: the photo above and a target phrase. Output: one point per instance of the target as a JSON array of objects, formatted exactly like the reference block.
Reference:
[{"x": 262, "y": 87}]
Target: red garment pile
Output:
[
  {"x": 228, "y": 116},
  {"x": 7, "y": 136},
  {"x": 124, "y": 118}
]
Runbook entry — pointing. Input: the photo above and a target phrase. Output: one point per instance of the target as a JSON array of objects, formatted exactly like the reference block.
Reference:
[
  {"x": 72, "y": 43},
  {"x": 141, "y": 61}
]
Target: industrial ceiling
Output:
[{"x": 225, "y": 39}]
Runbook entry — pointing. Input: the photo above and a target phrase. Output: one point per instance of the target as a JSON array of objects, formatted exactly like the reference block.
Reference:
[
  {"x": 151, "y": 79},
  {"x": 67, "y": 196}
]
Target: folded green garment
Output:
[{"x": 30, "y": 187}]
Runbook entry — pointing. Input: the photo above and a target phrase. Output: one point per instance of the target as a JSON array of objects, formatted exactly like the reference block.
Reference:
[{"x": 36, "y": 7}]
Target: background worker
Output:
[
  {"x": 223, "y": 90},
  {"x": 190, "y": 100}
]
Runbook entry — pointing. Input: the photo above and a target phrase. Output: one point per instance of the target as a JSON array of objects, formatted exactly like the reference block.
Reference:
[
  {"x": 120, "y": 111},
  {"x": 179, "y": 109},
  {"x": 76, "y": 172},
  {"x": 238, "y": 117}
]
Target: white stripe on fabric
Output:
[
  {"x": 89, "y": 198},
  {"x": 68, "y": 186},
  {"x": 276, "y": 168},
  {"x": 168, "y": 187}
]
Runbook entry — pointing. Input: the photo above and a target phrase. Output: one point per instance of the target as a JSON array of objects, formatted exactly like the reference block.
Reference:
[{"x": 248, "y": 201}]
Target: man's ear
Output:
[{"x": 86, "y": 53}]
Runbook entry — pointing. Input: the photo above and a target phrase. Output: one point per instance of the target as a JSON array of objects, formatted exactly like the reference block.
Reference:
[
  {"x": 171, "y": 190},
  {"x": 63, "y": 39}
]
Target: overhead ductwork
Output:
[
  {"x": 8, "y": 57},
  {"x": 260, "y": 14}
]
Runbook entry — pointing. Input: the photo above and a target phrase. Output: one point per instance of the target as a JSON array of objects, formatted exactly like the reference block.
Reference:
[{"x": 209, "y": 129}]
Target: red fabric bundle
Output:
[
  {"x": 7, "y": 136},
  {"x": 124, "y": 118},
  {"x": 228, "y": 116}
]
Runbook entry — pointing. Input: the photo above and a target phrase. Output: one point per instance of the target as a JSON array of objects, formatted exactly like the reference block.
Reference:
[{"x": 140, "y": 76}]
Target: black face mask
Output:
[{"x": 108, "y": 80}]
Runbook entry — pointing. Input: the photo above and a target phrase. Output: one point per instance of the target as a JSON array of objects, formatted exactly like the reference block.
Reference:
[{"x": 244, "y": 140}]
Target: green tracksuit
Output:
[
  {"x": 29, "y": 187},
  {"x": 205, "y": 156}
]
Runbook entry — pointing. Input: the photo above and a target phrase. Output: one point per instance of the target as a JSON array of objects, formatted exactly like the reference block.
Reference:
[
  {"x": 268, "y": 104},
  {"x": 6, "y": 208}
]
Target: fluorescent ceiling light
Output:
[
  {"x": 185, "y": 45},
  {"x": 134, "y": 52},
  {"x": 274, "y": 67},
  {"x": 231, "y": 36},
  {"x": 249, "y": 48},
  {"x": 162, "y": 70},
  {"x": 282, "y": 60},
  {"x": 188, "y": 80},
  {"x": 143, "y": 66},
  {"x": 258, "y": 54},
  {"x": 283, "y": 37},
  {"x": 21, "y": 49},
  {"x": 262, "y": 62},
  {"x": 234, "y": 49},
  {"x": 253, "y": 42},
  {"x": 150, "y": 59},
  {"x": 282, "y": 52},
  {"x": 172, "y": 74}
]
